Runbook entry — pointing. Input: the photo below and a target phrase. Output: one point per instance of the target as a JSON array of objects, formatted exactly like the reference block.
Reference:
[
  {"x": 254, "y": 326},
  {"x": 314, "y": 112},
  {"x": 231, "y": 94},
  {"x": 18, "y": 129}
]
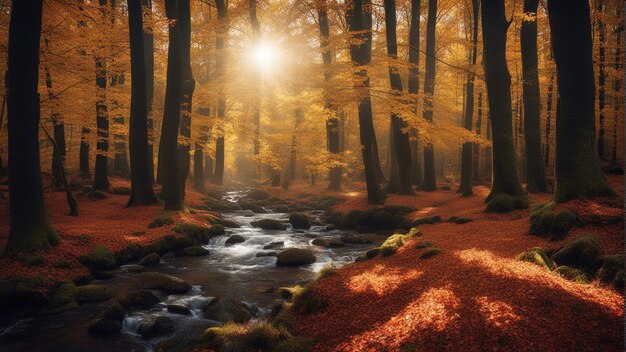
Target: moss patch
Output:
[
  {"x": 503, "y": 203},
  {"x": 100, "y": 257},
  {"x": 424, "y": 244},
  {"x": 161, "y": 220},
  {"x": 431, "y": 252},
  {"x": 580, "y": 253},
  {"x": 537, "y": 256}
]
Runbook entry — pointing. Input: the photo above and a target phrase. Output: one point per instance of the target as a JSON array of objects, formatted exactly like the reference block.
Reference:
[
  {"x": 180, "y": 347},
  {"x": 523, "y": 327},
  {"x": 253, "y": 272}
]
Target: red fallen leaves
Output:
[
  {"x": 101, "y": 222},
  {"x": 472, "y": 297}
]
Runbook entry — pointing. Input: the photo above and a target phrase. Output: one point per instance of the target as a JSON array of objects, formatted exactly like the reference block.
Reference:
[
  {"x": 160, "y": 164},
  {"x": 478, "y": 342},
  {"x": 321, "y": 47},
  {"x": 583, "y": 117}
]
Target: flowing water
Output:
[{"x": 233, "y": 271}]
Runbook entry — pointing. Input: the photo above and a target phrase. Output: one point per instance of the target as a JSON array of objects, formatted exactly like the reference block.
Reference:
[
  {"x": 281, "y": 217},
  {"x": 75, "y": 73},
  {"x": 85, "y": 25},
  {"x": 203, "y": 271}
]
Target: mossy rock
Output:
[
  {"x": 371, "y": 253},
  {"x": 224, "y": 223},
  {"x": 269, "y": 224},
  {"x": 503, "y": 203},
  {"x": 151, "y": 259},
  {"x": 579, "y": 253},
  {"x": 609, "y": 266},
  {"x": 305, "y": 300},
  {"x": 160, "y": 326},
  {"x": 196, "y": 251},
  {"x": 166, "y": 283},
  {"x": 217, "y": 230},
  {"x": 537, "y": 256},
  {"x": 424, "y": 244},
  {"x": 386, "y": 251},
  {"x": 414, "y": 232},
  {"x": 259, "y": 194},
  {"x": 199, "y": 233},
  {"x": 131, "y": 253},
  {"x": 382, "y": 220},
  {"x": 31, "y": 259},
  {"x": 435, "y": 219},
  {"x": 541, "y": 219},
  {"x": 399, "y": 209},
  {"x": 161, "y": 220},
  {"x": 299, "y": 221},
  {"x": 218, "y": 205},
  {"x": 350, "y": 219},
  {"x": 62, "y": 299},
  {"x": 563, "y": 222},
  {"x": 100, "y": 257},
  {"x": 462, "y": 220},
  {"x": 92, "y": 293},
  {"x": 572, "y": 274},
  {"x": 180, "y": 243},
  {"x": 295, "y": 257},
  {"x": 140, "y": 299},
  {"x": 431, "y": 252},
  {"x": 224, "y": 309},
  {"x": 294, "y": 344}
]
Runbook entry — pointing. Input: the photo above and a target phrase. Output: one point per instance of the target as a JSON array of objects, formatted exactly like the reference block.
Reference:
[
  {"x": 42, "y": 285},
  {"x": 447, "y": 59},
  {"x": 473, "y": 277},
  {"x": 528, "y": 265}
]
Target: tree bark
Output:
[
  {"x": 577, "y": 168},
  {"x": 31, "y": 227},
  {"x": 218, "y": 175},
  {"x": 617, "y": 84},
  {"x": 402, "y": 148},
  {"x": 332, "y": 122},
  {"x": 535, "y": 169},
  {"x": 101, "y": 178},
  {"x": 414, "y": 55},
  {"x": 256, "y": 33},
  {"x": 498, "y": 81},
  {"x": 188, "y": 86},
  {"x": 429, "y": 183},
  {"x": 140, "y": 178},
  {"x": 148, "y": 41},
  {"x": 467, "y": 158},
  {"x": 172, "y": 192},
  {"x": 548, "y": 134},
  {"x": 359, "y": 19},
  {"x": 602, "y": 143}
]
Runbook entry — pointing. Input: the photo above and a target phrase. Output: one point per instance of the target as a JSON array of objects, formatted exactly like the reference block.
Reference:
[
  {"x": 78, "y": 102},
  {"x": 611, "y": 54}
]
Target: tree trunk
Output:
[
  {"x": 31, "y": 227},
  {"x": 414, "y": 55},
  {"x": 256, "y": 32},
  {"x": 208, "y": 166},
  {"x": 429, "y": 182},
  {"x": 172, "y": 192},
  {"x": 83, "y": 153},
  {"x": 601, "y": 79},
  {"x": 467, "y": 159},
  {"x": 617, "y": 84},
  {"x": 476, "y": 147},
  {"x": 548, "y": 133},
  {"x": 578, "y": 170},
  {"x": 498, "y": 81},
  {"x": 101, "y": 178},
  {"x": 332, "y": 122},
  {"x": 218, "y": 175},
  {"x": 148, "y": 41},
  {"x": 359, "y": 19},
  {"x": 188, "y": 86},
  {"x": 198, "y": 156},
  {"x": 140, "y": 178},
  {"x": 402, "y": 148},
  {"x": 298, "y": 116},
  {"x": 535, "y": 169}
]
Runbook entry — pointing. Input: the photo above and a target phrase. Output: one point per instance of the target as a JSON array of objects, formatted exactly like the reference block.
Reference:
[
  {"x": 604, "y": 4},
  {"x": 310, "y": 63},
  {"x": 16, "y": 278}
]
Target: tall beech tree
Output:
[
  {"x": 188, "y": 86},
  {"x": 256, "y": 36},
  {"x": 31, "y": 227},
  {"x": 577, "y": 167},
  {"x": 172, "y": 191},
  {"x": 220, "y": 71},
  {"x": 467, "y": 157},
  {"x": 413, "y": 86},
  {"x": 140, "y": 178},
  {"x": 359, "y": 19},
  {"x": 101, "y": 178},
  {"x": 601, "y": 27},
  {"x": 429, "y": 182},
  {"x": 332, "y": 122},
  {"x": 148, "y": 45},
  {"x": 401, "y": 145},
  {"x": 535, "y": 169},
  {"x": 506, "y": 192}
]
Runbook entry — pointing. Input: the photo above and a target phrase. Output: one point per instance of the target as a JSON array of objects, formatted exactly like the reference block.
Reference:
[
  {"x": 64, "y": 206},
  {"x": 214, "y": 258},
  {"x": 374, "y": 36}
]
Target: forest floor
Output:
[{"x": 474, "y": 296}]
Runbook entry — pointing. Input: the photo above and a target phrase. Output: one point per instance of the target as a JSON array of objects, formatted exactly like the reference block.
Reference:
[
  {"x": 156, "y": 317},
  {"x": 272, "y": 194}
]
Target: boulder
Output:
[
  {"x": 580, "y": 253},
  {"x": 319, "y": 241},
  {"x": 295, "y": 257},
  {"x": 274, "y": 245},
  {"x": 100, "y": 257},
  {"x": 265, "y": 254},
  {"x": 140, "y": 299},
  {"x": 259, "y": 194},
  {"x": 299, "y": 221},
  {"x": 235, "y": 239},
  {"x": 224, "y": 309},
  {"x": 166, "y": 283},
  {"x": 225, "y": 223},
  {"x": 92, "y": 293},
  {"x": 269, "y": 224},
  {"x": 609, "y": 266},
  {"x": 178, "y": 309},
  {"x": 62, "y": 299},
  {"x": 158, "y": 327},
  {"x": 281, "y": 208},
  {"x": 151, "y": 259},
  {"x": 196, "y": 251},
  {"x": 352, "y": 238},
  {"x": 257, "y": 209}
]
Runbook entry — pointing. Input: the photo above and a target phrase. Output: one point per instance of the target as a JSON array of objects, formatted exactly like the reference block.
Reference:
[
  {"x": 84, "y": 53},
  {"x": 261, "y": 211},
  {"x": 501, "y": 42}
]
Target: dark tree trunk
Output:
[
  {"x": 332, "y": 122},
  {"x": 256, "y": 32},
  {"x": 467, "y": 158},
  {"x": 414, "y": 55},
  {"x": 400, "y": 139},
  {"x": 31, "y": 227},
  {"x": 148, "y": 41},
  {"x": 392, "y": 164},
  {"x": 476, "y": 177},
  {"x": 172, "y": 192},
  {"x": 294, "y": 147},
  {"x": 83, "y": 153},
  {"x": 429, "y": 182},
  {"x": 208, "y": 166},
  {"x": 188, "y": 86},
  {"x": 577, "y": 168},
  {"x": 359, "y": 19},
  {"x": 617, "y": 84},
  {"x": 198, "y": 156},
  {"x": 140, "y": 178},
  {"x": 498, "y": 81},
  {"x": 548, "y": 132},
  {"x": 101, "y": 178},
  {"x": 218, "y": 175},
  {"x": 535, "y": 169},
  {"x": 601, "y": 79}
]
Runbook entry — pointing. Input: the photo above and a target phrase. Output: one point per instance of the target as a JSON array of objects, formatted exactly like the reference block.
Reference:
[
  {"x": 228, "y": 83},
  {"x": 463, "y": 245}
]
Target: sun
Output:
[{"x": 265, "y": 56}]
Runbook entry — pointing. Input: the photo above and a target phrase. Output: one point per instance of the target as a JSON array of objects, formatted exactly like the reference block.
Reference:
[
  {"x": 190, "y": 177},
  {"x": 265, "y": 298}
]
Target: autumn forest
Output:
[{"x": 317, "y": 175}]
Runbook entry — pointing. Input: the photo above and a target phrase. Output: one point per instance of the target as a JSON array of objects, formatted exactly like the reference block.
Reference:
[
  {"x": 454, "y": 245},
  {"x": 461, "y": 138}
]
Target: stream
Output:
[{"x": 233, "y": 271}]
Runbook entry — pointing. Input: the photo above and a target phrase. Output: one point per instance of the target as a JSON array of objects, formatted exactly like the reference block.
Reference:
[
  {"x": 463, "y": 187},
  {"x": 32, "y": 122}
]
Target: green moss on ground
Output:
[
  {"x": 537, "y": 256},
  {"x": 504, "y": 203},
  {"x": 431, "y": 252},
  {"x": 100, "y": 257},
  {"x": 161, "y": 220}
]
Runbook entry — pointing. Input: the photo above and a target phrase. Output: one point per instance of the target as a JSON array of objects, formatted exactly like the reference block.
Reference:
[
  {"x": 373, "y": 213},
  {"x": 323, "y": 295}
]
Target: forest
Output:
[{"x": 314, "y": 175}]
